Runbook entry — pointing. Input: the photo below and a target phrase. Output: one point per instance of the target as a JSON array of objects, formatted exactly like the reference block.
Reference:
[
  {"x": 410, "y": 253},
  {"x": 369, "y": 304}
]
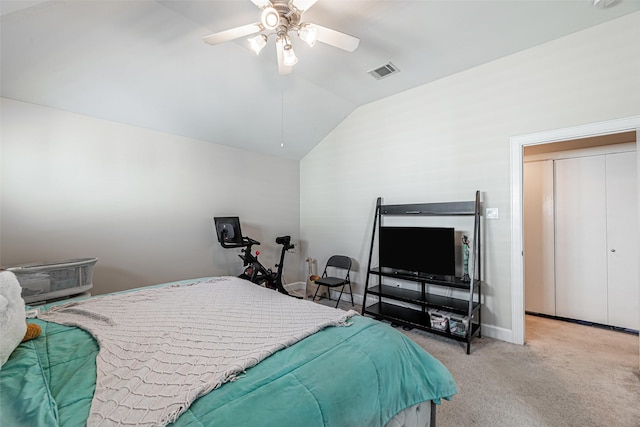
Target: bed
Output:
[{"x": 345, "y": 370}]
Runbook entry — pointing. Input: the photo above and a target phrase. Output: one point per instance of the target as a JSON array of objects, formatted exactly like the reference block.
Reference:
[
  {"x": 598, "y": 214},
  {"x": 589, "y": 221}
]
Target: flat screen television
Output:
[{"x": 427, "y": 251}]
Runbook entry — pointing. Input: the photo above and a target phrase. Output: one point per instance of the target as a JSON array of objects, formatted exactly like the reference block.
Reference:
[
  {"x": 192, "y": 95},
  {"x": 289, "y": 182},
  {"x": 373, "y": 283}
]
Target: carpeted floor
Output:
[{"x": 566, "y": 375}]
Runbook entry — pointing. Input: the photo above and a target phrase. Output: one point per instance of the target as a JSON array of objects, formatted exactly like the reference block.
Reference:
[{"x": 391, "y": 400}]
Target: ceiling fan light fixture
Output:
[
  {"x": 270, "y": 18},
  {"x": 257, "y": 43},
  {"x": 283, "y": 69},
  {"x": 279, "y": 18},
  {"x": 289, "y": 57},
  {"x": 308, "y": 33}
]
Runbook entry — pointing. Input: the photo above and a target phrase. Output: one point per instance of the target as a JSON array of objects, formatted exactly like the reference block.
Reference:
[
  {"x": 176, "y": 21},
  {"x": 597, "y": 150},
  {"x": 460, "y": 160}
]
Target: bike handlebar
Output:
[{"x": 246, "y": 242}]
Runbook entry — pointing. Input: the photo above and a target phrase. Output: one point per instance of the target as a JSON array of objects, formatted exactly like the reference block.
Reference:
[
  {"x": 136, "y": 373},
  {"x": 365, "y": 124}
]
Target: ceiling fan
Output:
[{"x": 279, "y": 17}]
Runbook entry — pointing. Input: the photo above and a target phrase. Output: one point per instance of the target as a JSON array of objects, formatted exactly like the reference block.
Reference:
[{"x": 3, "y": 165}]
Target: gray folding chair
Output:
[{"x": 335, "y": 263}]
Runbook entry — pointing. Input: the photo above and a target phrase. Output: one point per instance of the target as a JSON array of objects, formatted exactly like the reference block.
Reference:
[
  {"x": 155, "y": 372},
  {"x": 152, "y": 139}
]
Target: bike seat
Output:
[{"x": 283, "y": 240}]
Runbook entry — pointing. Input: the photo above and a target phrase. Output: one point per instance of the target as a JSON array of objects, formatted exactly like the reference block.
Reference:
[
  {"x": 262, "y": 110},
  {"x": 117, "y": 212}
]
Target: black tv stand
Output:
[{"x": 390, "y": 300}]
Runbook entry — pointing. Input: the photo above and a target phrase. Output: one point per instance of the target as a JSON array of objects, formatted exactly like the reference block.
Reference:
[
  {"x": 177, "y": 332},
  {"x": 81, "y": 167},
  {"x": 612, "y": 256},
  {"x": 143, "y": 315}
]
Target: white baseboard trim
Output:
[{"x": 497, "y": 332}]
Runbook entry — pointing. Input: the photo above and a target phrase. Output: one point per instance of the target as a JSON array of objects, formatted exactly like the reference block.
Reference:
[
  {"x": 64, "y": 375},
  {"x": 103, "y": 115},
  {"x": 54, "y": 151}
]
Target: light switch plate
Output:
[{"x": 492, "y": 213}]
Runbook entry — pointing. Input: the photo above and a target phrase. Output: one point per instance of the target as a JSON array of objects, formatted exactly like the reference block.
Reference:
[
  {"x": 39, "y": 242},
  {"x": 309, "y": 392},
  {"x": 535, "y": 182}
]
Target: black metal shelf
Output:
[
  {"x": 422, "y": 300},
  {"x": 415, "y": 319},
  {"x": 448, "y": 281},
  {"x": 431, "y": 209},
  {"x": 455, "y": 305},
  {"x": 398, "y": 314}
]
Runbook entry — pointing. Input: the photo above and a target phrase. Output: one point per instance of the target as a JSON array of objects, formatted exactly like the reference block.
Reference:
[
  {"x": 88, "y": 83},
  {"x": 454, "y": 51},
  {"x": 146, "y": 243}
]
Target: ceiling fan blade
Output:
[
  {"x": 303, "y": 5},
  {"x": 261, "y": 3},
  {"x": 233, "y": 33},
  {"x": 283, "y": 70},
  {"x": 336, "y": 38}
]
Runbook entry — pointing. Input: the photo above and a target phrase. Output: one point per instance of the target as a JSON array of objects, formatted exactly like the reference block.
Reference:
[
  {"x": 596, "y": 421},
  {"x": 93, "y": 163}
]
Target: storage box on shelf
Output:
[
  {"x": 458, "y": 325},
  {"x": 439, "y": 320}
]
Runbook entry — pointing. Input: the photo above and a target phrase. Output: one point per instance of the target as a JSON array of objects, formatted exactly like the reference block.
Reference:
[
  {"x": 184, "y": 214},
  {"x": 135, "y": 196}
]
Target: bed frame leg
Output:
[{"x": 432, "y": 423}]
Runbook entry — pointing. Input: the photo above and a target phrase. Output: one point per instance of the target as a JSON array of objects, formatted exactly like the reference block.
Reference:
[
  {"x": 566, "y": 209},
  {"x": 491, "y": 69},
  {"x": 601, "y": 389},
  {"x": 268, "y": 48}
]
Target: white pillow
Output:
[{"x": 13, "y": 324}]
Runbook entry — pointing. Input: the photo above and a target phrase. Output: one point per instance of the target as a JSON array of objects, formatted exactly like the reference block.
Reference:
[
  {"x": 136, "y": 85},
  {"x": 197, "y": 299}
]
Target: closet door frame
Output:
[
  {"x": 599, "y": 290},
  {"x": 517, "y": 144}
]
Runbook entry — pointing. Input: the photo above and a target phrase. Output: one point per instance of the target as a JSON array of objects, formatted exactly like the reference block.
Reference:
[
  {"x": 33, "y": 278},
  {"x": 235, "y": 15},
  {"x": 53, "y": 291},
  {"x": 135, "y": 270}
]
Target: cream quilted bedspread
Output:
[{"x": 162, "y": 348}]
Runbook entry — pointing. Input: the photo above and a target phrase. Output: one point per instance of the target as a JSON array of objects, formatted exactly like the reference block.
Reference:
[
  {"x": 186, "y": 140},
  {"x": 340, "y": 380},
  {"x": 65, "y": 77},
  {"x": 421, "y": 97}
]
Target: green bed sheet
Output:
[{"x": 361, "y": 375}]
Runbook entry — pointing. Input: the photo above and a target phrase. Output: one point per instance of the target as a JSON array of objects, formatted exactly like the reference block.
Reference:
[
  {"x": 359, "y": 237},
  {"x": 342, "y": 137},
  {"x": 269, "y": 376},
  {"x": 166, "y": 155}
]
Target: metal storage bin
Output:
[{"x": 46, "y": 281}]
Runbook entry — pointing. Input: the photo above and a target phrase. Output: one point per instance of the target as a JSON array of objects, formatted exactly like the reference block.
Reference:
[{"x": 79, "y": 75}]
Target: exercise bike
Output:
[
  {"x": 257, "y": 273},
  {"x": 230, "y": 236}
]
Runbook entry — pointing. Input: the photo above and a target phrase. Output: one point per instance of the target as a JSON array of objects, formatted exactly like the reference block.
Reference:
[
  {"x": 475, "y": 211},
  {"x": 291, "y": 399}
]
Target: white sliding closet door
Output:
[
  {"x": 539, "y": 282},
  {"x": 581, "y": 230},
  {"x": 622, "y": 241}
]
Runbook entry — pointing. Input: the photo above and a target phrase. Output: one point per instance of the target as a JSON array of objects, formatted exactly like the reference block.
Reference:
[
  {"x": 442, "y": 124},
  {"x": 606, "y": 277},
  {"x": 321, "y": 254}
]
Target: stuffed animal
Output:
[
  {"x": 13, "y": 327},
  {"x": 33, "y": 331},
  {"x": 310, "y": 287}
]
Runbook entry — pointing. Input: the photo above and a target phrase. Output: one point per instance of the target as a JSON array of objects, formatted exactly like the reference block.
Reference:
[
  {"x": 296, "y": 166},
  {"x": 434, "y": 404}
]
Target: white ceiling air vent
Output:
[
  {"x": 384, "y": 71},
  {"x": 603, "y": 3}
]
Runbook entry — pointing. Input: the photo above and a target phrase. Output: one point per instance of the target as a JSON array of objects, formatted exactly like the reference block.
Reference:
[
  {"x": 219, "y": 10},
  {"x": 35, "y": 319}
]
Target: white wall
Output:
[
  {"x": 140, "y": 201},
  {"x": 444, "y": 140}
]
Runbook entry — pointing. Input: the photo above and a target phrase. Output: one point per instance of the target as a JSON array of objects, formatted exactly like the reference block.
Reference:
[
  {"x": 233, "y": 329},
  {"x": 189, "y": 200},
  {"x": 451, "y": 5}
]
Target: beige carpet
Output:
[{"x": 566, "y": 375}]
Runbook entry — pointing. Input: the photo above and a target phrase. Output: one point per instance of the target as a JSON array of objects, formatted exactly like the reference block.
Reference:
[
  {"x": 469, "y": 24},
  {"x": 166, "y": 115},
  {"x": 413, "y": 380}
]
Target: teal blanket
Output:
[{"x": 361, "y": 375}]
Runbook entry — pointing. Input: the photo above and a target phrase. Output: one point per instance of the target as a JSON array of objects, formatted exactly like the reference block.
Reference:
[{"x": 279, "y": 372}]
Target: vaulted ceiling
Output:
[{"x": 144, "y": 62}]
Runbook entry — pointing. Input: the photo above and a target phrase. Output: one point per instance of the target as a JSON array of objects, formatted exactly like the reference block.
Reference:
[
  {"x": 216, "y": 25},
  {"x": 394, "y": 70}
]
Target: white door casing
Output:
[{"x": 517, "y": 144}]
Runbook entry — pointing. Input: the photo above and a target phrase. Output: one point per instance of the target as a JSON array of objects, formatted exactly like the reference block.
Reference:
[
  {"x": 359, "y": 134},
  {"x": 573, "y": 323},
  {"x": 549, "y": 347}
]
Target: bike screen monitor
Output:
[{"x": 228, "y": 231}]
